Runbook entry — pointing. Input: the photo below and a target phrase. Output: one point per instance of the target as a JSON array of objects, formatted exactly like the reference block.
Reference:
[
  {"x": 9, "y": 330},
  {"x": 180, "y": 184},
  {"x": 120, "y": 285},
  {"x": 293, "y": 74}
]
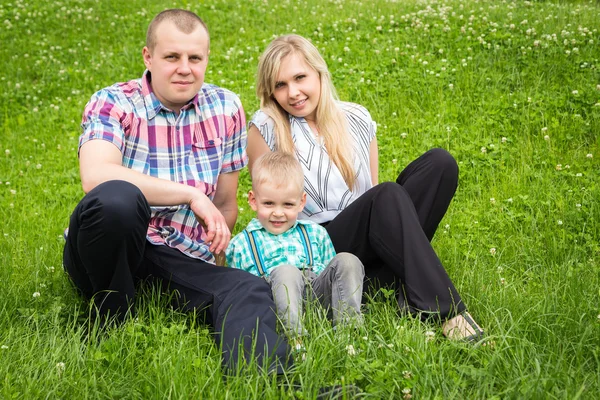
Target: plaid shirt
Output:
[
  {"x": 276, "y": 250},
  {"x": 206, "y": 139}
]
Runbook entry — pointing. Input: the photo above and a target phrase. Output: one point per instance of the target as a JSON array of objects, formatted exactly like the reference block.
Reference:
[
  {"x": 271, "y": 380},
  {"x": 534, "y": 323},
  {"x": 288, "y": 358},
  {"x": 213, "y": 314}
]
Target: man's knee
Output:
[{"x": 116, "y": 205}]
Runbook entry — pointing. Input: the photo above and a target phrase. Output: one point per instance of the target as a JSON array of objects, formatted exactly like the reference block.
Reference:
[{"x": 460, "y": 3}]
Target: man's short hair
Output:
[
  {"x": 186, "y": 21},
  {"x": 278, "y": 168}
]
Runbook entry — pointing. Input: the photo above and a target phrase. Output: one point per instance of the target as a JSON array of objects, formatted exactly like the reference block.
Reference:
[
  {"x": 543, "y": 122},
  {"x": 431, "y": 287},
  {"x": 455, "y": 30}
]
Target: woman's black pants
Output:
[{"x": 389, "y": 228}]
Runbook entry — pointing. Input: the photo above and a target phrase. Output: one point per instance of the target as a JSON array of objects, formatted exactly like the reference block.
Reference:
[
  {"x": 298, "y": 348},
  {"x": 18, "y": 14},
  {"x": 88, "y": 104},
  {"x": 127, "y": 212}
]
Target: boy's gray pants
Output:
[{"x": 338, "y": 288}]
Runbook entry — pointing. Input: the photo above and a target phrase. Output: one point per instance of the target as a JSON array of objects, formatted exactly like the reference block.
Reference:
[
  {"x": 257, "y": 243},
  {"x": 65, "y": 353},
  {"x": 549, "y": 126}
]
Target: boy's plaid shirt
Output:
[
  {"x": 206, "y": 139},
  {"x": 276, "y": 250}
]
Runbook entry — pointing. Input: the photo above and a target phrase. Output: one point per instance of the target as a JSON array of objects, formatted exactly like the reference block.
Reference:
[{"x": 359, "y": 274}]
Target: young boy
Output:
[{"x": 293, "y": 255}]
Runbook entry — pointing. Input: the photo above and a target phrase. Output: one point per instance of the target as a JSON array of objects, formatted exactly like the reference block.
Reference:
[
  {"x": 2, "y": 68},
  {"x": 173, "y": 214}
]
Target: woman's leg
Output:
[
  {"x": 431, "y": 182},
  {"x": 383, "y": 230}
]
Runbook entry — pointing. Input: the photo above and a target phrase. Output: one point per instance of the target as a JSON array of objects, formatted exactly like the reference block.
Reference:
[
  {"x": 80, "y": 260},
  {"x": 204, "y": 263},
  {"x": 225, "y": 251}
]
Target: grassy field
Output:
[{"x": 511, "y": 89}]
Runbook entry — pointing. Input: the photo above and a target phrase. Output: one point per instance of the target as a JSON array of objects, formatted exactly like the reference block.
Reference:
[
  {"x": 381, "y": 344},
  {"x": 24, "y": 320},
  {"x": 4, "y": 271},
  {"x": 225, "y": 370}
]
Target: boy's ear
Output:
[
  {"x": 303, "y": 201},
  {"x": 252, "y": 200}
]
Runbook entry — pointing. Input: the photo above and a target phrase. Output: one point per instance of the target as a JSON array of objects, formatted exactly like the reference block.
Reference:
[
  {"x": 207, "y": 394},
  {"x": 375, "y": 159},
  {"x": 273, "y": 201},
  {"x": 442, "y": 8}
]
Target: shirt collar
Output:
[{"x": 153, "y": 105}]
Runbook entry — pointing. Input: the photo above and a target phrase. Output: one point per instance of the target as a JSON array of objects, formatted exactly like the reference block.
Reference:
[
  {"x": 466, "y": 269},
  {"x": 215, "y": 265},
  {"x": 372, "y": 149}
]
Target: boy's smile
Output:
[{"x": 277, "y": 207}]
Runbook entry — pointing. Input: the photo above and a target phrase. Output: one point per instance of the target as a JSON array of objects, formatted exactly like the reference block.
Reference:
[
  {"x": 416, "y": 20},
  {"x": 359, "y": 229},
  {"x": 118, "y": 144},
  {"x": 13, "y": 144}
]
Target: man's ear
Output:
[
  {"x": 252, "y": 200},
  {"x": 147, "y": 57}
]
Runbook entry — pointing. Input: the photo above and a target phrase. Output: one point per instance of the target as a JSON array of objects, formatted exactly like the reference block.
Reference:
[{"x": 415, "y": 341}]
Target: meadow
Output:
[{"x": 510, "y": 88}]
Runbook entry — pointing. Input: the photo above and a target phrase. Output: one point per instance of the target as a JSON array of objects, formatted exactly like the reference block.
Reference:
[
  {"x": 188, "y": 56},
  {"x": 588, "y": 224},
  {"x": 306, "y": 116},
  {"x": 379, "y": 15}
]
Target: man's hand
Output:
[{"x": 217, "y": 231}]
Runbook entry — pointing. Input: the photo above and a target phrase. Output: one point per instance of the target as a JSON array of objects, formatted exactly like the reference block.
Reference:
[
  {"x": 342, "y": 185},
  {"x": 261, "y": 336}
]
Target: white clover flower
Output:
[
  {"x": 502, "y": 281},
  {"x": 575, "y": 92},
  {"x": 429, "y": 335},
  {"x": 7, "y": 151},
  {"x": 589, "y": 155},
  {"x": 504, "y": 139},
  {"x": 544, "y": 129},
  {"x": 407, "y": 374},
  {"x": 578, "y": 205},
  {"x": 579, "y": 174},
  {"x": 60, "y": 367},
  {"x": 559, "y": 222},
  {"x": 394, "y": 161},
  {"x": 492, "y": 200},
  {"x": 510, "y": 200},
  {"x": 403, "y": 135},
  {"x": 546, "y": 137},
  {"x": 406, "y": 394},
  {"x": 493, "y": 251},
  {"x": 350, "y": 349},
  {"x": 13, "y": 192},
  {"x": 598, "y": 320},
  {"x": 36, "y": 295},
  {"x": 451, "y": 86},
  {"x": 558, "y": 167},
  {"x": 5, "y": 347},
  {"x": 483, "y": 149},
  {"x": 38, "y": 166}
]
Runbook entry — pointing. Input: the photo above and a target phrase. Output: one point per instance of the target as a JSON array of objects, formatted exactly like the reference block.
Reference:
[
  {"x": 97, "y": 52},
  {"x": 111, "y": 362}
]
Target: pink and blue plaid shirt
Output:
[{"x": 206, "y": 139}]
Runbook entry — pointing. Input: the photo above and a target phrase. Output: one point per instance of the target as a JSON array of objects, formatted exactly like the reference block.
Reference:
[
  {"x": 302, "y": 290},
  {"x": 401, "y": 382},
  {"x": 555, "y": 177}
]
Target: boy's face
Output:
[{"x": 277, "y": 207}]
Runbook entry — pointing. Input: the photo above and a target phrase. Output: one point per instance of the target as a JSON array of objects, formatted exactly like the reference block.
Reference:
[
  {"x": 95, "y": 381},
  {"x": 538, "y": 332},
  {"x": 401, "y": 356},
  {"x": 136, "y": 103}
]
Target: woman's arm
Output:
[
  {"x": 256, "y": 146},
  {"x": 374, "y": 161}
]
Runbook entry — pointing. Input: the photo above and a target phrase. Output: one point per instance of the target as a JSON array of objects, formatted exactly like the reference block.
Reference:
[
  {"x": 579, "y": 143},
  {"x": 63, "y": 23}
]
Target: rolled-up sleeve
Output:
[
  {"x": 236, "y": 140},
  {"x": 103, "y": 118}
]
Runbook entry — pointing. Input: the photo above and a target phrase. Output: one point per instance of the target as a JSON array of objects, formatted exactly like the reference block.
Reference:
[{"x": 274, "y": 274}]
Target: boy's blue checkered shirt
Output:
[{"x": 276, "y": 250}]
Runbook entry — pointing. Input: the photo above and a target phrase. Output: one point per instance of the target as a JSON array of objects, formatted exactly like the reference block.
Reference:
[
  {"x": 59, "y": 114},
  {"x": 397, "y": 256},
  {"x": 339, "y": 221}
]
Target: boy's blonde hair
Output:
[
  {"x": 278, "y": 168},
  {"x": 330, "y": 120}
]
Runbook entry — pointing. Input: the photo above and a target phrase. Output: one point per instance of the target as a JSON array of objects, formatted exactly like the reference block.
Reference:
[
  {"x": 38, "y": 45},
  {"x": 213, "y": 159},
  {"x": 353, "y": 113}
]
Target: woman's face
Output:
[{"x": 298, "y": 87}]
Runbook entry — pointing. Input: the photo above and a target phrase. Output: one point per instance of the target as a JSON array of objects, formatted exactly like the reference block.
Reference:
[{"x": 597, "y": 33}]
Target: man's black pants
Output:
[{"x": 107, "y": 254}]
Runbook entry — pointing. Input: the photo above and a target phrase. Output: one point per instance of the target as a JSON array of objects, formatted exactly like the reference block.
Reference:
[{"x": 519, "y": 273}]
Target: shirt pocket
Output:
[{"x": 205, "y": 160}]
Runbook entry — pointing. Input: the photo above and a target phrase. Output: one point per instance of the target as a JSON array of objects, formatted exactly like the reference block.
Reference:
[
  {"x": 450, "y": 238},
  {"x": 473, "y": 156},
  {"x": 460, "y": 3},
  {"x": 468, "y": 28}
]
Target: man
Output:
[{"x": 159, "y": 162}]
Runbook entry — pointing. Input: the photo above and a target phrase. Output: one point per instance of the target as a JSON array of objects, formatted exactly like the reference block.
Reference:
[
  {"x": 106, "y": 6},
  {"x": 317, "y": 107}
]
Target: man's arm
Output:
[
  {"x": 225, "y": 200},
  {"x": 100, "y": 161}
]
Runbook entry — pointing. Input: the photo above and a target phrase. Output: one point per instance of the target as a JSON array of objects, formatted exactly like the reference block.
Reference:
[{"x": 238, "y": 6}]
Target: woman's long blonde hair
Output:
[{"x": 330, "y": 120}]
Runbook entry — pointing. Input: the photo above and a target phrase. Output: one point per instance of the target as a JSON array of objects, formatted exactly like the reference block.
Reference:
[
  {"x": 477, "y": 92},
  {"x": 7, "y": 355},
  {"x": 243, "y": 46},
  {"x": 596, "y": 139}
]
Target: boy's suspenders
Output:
[
  {"x": 258, "y": 260},
  {"x": 306, "y": 242}
]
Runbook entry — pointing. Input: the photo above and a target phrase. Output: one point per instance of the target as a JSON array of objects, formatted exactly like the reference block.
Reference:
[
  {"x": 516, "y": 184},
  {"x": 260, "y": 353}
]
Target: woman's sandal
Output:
[{"x": 463, "y": 327}]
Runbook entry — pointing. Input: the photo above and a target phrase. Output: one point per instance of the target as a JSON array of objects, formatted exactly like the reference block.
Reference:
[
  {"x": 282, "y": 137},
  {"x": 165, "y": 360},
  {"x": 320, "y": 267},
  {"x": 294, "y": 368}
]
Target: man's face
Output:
[{"x": 177, "y": 63}]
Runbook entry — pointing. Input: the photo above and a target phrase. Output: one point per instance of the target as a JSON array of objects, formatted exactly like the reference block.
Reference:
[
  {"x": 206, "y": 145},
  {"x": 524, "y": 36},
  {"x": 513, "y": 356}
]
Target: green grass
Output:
[{"x": 486, "y": 80}]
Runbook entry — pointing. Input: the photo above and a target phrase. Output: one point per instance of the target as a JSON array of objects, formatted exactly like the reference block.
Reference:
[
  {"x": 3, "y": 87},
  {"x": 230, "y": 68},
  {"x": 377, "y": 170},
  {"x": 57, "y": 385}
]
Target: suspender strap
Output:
[
  {"x": 306, "y": 242},
  {"x": 258, "y": 261}
]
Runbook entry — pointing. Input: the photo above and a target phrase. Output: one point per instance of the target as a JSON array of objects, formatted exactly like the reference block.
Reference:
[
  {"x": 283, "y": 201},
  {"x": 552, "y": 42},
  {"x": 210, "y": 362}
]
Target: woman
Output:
[{"x": 388, "y": 226}]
